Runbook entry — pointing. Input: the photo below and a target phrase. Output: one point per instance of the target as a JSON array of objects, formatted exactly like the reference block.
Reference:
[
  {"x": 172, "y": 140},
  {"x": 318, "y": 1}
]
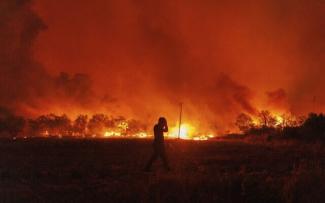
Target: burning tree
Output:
[
  {"x": 289, "y": 120},
  {"x": 135, "y": 127},
  {"x": 120, "y": 124},
  {"x": 62, "y": 125},
  {"x": 97, "y": 124},
  {"x": 244, "y": 122},
  {"x": 80, "y": 125},
  {"x": 51, "y": 125},
  {"x": 267, "y": 120},
  {"x": 38, "y": 126}
]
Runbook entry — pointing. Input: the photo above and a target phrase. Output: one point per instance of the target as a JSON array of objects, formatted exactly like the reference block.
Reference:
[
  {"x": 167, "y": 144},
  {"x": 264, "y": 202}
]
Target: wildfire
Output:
[
  {"x": 103, "y": 126},
  {"x": 279, "y": 119},
  {"x": 188, "y": 132},
  {"x": 200, "y": 138},
  {"x": 112, "y": 134},
  {"x": 141, "y": 135},
  {"x": 268, "y": 119},
  {"x": 185, "y": 132}
]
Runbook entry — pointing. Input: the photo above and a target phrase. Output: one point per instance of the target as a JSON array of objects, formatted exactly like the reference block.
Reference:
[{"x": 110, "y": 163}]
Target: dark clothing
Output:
[
  {"x": 158, "y": 148},
  {"x": 159, "y": 135}
]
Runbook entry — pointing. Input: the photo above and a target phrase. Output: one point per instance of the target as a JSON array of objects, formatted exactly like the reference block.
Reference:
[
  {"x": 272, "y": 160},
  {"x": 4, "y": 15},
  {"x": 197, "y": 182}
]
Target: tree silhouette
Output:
[
  {"x": 244, "y": 122},
  {"x": 121, "y": 124},
  {"x": 80, "y": 125},
  {"x": 15, "y": 125},
  {"x": 266, "y": 119},
  {"x": 97, "y": 124},
  {"x": 37, "y": 126},
  {"x": 135, "y": 127},
  {"x": 314, "y": 126},
  {"x": 52, "y": 124},
  {"x": 11, "y": 123},
  {"x": 62, "y": 125}
]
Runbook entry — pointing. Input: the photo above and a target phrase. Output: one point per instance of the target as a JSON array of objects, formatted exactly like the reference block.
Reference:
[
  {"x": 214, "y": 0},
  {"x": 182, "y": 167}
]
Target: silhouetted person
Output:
[{"x": 158, "y": 144}]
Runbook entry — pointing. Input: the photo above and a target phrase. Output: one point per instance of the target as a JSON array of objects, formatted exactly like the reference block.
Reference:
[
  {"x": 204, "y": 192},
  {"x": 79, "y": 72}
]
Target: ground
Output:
[{"x": 78, "y": 170}]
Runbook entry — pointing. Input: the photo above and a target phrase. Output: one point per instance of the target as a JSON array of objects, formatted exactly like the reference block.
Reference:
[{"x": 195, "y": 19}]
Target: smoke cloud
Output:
[
  {"x": 20, "y": 73},
  {"x": 26, "y": 87},
  {"x": 141, "y": 59}
]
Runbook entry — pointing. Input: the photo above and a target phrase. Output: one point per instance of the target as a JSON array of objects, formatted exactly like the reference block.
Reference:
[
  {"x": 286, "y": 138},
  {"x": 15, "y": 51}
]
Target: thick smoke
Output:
[
  {"x": 20, "y": 75},
  {"x": 26, "y": 87},
  {"x": 278, "y": 100},
  {"x": 142, "y": 58}
]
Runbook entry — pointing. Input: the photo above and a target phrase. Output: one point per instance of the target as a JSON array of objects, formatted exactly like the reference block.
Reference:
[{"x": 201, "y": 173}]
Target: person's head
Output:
[{"x": 162, "y": 121}]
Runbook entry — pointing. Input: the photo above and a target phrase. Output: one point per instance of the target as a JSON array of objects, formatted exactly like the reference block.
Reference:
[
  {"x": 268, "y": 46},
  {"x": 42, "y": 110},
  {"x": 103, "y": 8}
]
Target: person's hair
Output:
[{"x": 162, "y": 120}]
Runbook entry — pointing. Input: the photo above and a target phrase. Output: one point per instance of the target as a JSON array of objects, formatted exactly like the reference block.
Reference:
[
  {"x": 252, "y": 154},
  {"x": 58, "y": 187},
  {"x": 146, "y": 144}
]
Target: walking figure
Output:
[{"x": 158, "y": 144}]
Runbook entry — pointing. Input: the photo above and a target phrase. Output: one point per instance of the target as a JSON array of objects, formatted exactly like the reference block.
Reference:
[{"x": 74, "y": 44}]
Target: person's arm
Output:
[{"x": 166, "y": 127}]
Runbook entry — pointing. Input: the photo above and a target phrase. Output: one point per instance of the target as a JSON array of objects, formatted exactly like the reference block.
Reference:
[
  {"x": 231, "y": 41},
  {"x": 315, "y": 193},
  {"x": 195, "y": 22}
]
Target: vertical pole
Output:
[{"x": 180, "y": 122}]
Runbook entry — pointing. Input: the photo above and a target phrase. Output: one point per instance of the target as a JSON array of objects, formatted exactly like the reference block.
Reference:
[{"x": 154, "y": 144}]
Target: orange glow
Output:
[
  {"x": 186, "y": 131},
  {"x": 190, "y": 130},
  {"x": 112, "y": 134},
  {"x": 141, "y": 135},
  {"x": 149, "y": 56},
  {"x": 279, "y": 120},
  {"x": 200, "y": 138}
]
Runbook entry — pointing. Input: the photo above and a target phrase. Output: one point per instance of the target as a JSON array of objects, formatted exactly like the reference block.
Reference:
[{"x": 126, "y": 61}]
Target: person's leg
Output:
[
  {"x": 151, "y": 160},
  {"x": 164, "y": 159}
]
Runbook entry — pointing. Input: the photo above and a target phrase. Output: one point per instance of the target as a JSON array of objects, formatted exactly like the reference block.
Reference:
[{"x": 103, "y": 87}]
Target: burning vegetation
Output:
[
  {"x": 84, "y": 126},
  {"x": 98, "y": 125},
  {"x": 266, "y": 119},
  {"x": 141, "y": 68},
  {"x": 309, "y": 127}
]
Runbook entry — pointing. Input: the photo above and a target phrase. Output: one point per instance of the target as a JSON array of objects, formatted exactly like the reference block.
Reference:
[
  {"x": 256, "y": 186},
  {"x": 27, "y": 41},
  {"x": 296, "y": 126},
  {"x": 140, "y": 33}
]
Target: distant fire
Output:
[
  {"x": 104, "y": 126},
  {"x": 185, "y": 132},
  {"x": 267, "y": 119},
  {"x": 188, "y": 132},
  {"x": 112, "y": 134},
  {"x": 279, "y": 119}
]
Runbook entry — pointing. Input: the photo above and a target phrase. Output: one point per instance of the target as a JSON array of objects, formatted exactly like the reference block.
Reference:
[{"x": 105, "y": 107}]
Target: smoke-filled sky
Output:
[{"x": 141, "y": 58}]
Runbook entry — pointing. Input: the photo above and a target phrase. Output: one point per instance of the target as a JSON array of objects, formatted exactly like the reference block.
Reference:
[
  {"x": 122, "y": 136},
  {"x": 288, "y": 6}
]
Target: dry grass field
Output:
[{"x": 76, "y": 170}]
